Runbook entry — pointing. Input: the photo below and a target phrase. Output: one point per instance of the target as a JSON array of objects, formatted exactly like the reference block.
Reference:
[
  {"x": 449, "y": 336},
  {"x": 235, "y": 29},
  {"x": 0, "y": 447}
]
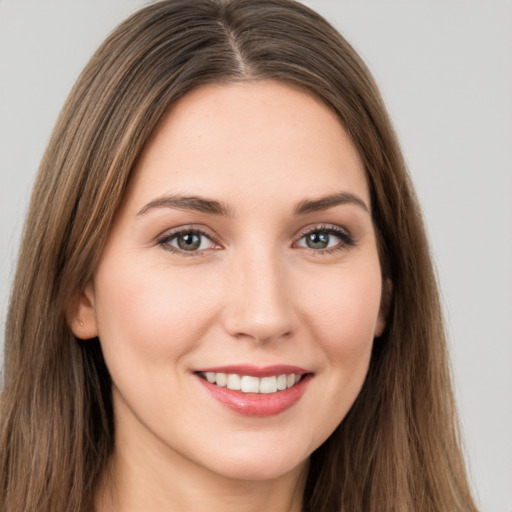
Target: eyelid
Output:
[
  {"x": 172, "y": 233},
  {"x": 347, "y": 240}
]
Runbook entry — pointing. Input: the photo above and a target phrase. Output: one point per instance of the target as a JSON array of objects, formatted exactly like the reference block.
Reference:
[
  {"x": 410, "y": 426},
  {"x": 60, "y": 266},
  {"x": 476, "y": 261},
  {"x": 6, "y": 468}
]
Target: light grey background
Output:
[{"x": 445, "y": 70}]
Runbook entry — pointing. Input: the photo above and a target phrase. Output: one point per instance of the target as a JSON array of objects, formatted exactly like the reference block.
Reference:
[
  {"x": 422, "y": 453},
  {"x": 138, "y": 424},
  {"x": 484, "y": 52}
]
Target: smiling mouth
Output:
[
  {"x": 254, "y": 391},
  {"x": 251, "y": 384}
]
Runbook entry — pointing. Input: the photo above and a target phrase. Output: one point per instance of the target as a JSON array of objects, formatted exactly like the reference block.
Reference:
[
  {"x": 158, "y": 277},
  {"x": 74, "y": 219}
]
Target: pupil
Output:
[
  {"x": 189, "y": 242},
  {"x": 319, "y": 240}
]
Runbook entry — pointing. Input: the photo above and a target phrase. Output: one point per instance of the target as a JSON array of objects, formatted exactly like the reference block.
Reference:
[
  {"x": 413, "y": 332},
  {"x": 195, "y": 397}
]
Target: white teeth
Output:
[
  {"x": 250, "y": 384},
  {"x": 281, "y": 382},
  {"x": 234, "y": 382},
  {"x": 221, "y": 379},
  {"x": 268, "y": 385}
]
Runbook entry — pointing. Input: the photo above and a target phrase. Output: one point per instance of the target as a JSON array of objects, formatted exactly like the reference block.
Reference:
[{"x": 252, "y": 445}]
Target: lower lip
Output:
[{"x": 258, "y": 404}]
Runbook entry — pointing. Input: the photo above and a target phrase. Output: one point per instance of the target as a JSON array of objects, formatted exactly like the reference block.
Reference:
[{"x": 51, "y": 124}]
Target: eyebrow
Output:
[
  {"x": 194, "y": 203},
  {"x": 212, "y": 206},
  {"x": 323, "y": 203}
]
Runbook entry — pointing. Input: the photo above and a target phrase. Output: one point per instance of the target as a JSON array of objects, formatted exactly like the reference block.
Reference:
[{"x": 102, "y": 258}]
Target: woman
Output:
[{"x": 224, "y": 296}]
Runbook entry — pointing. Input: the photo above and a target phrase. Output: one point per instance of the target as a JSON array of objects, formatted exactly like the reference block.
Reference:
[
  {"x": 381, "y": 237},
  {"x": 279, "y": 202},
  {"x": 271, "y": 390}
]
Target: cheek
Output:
[
  {"x": 344, "y": 310},
  {"x": 152, "y": 314}
]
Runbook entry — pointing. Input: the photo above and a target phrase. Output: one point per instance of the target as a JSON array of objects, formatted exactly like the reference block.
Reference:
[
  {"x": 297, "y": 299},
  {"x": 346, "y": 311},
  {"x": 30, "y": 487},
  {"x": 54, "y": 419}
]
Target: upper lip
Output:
[{"x": 256, "y": 371}]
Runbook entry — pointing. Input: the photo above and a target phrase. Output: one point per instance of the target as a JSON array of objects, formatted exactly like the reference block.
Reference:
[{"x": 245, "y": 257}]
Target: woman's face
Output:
[{"x": 244, "y": 255}]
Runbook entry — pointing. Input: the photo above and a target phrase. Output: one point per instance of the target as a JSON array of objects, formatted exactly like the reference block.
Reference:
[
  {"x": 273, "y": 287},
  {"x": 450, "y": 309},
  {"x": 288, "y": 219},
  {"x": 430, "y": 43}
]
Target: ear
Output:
[
  {"x": 385, "y": 304},
  {"x": 82, "y": 315}
]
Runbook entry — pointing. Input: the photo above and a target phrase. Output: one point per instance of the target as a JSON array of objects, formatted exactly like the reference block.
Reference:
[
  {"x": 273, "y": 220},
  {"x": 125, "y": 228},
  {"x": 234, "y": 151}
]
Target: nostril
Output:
[{"x": 262, "y": 335}]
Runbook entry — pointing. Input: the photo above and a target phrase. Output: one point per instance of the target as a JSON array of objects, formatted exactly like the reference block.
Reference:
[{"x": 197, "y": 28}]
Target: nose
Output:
[{"x": 259, "y": 305}]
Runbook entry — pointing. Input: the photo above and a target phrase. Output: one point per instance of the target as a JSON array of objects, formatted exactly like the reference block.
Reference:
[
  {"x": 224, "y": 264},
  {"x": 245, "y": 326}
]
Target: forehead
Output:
[{"x": 244, "y": 138}]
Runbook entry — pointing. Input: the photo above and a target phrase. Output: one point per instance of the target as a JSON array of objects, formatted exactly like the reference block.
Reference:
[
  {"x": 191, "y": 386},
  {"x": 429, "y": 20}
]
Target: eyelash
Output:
[
  {"x": 165, "y": 240},
  {"x": 346, "y": 240}
]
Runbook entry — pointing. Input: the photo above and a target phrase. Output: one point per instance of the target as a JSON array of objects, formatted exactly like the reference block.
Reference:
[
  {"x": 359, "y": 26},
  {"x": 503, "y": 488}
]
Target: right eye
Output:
[{"x": 188, "y": 241}]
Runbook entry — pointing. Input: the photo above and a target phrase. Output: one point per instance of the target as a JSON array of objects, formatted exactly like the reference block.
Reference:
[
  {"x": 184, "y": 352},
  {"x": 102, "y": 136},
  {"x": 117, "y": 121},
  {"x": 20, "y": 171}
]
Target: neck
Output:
[{"x": 145, "y": 480}]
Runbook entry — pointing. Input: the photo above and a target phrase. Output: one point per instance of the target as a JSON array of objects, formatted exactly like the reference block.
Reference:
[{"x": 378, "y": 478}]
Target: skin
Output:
[{"x": 254, "y": 293}]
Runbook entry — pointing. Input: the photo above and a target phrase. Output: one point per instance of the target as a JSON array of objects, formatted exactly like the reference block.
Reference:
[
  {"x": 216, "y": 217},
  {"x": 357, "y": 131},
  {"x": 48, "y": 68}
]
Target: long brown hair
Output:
[{"x": 397, "y": 449}]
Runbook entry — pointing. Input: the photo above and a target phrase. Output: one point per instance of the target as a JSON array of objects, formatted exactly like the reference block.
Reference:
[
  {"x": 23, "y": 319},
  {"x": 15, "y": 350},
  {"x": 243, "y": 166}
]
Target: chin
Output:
[
  {"x": 267, "y": 470},
  {"x": 268, "y": 463}
]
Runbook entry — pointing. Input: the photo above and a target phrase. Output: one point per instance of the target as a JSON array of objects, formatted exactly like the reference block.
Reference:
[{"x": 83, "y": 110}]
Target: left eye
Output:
[
  {"x": 321, "y": 239},
  {"x": 189, "y": 241}
]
